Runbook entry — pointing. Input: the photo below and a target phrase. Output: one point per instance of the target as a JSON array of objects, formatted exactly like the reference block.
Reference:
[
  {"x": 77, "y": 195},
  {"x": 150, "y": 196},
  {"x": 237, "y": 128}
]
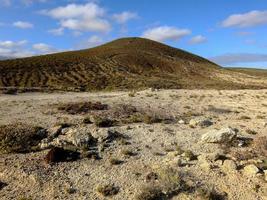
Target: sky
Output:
[{"x": 228, "y": 32}]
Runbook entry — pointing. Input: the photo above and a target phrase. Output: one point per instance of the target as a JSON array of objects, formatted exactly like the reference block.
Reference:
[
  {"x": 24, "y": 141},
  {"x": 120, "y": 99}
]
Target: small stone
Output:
[
  {"x": 229, "y": 166},
  {"x": 219, "y": 136},
  {"x": 193, "y": 123},
  {"x": 181, "y": 121},
  {"x": 251, "y": 170}
]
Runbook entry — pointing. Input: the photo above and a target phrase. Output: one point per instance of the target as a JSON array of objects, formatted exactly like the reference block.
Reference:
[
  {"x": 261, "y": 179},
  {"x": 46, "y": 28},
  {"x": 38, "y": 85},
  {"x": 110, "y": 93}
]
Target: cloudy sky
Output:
[{"x": 231, "y": 33}]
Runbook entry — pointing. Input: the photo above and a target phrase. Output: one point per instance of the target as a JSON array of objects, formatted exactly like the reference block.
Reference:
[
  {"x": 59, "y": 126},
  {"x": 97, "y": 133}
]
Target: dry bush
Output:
[
  {"x": 151, "y": 193},
  {"x": 218, "y": 110},
  {"x": 244, "y": 117},
  {"x": 260, "y": 145},
  {"x": 82, "y": 107},
  {"x": 11, "y": 91},
  {"x": 20, "y": 138},
  {"x": 104, "y": 122},
  {"x": 107, "y": 190}
]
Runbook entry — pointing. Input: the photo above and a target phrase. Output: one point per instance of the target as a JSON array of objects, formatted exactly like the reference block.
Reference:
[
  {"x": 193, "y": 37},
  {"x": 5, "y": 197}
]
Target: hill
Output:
[{"x": 128, "y": 63}]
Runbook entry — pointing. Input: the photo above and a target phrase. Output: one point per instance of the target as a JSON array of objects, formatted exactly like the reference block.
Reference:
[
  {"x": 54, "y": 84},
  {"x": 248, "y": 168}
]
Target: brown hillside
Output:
[{"x": 128, "y": 63}]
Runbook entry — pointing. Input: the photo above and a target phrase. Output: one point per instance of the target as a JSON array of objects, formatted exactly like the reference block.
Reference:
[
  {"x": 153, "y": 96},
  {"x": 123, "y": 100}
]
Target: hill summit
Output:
[{"x": 127, "y": 63}]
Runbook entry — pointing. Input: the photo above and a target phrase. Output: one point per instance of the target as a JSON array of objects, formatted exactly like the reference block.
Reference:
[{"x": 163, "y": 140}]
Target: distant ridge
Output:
[{"x": 127, "y": 63}]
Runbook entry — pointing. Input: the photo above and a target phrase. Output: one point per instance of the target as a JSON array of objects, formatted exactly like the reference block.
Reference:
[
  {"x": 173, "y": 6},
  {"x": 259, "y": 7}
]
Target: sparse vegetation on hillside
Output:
[{"x": 129, "y": 63}]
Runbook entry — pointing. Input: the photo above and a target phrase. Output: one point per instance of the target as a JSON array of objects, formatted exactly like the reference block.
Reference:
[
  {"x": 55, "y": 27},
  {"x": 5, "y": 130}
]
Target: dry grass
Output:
[
  {"x": 20, "y": 138},
  {"x": 107, "y": 190},
  {"x": 82, "y": 107}
]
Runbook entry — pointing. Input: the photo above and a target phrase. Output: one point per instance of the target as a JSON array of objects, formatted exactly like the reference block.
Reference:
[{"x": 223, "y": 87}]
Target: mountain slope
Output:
[{"x": 127, "y": 63}]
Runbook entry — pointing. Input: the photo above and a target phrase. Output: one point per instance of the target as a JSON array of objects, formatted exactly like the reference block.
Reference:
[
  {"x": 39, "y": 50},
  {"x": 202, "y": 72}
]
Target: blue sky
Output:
[{"x": 231, "y": 33}]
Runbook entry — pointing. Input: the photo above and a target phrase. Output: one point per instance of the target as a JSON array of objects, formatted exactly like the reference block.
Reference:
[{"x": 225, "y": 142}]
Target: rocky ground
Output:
[{"x": 167, "y": 144}]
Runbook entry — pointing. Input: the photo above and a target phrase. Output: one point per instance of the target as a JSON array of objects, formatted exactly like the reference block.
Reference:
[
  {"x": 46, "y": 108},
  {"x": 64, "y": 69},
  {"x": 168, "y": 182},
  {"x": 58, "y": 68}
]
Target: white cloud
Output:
[
  {"x": 94, "y": 41},
  {"x": 23, "y": 25},
  {"x": 80, "y": 17},
  {"x": 198, "y": 39},
  {"x": 43, "y": 48},
  {"x": 163, "y": 33},
  {"x": 249, "y": 19},
  {"x": 12, "y": 44},
  {"x": 236, "y": 58},
  {"x": 125, "y": 16},
  {"x": 18, "y": 49},
  {"x": 12, "y": 49},
  {"x": 57, "y": 31}
]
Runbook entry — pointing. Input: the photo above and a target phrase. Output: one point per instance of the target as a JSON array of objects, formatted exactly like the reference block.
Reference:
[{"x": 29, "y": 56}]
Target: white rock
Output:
[
  {"x": 251, "y": 170},
  {"x": 265, "y": 174},
  {"x": 219, "y": 136},
  {"x": 181, "y": 121}
]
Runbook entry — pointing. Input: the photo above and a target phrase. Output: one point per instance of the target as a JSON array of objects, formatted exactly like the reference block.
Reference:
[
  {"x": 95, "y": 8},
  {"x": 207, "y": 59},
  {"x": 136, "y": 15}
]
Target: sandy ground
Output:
[{"x": 27, "y": 176}]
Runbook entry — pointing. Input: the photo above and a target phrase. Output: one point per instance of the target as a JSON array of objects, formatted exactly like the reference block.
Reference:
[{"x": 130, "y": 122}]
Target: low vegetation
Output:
[
  {"x": 107, "y": 190},
  {"x": 20, "y": 138},
  {"x": 82, "y": 107}
]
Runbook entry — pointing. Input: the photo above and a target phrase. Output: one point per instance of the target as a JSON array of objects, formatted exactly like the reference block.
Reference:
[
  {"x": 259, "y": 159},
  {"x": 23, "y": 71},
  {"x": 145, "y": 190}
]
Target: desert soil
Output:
[{"x": 28, "y": 176}]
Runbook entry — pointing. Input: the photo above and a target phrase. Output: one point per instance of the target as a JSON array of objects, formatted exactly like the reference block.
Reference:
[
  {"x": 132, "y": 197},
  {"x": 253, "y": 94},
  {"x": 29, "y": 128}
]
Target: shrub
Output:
[
  {"x": 115, "y": 161},
  {"x": 251, "y": 132},
  {"x": 20, "y": 138},
  {"x": 244, "y": 117},
  {"x": 127, "y": 152},
  {"x": 104, "y": 122},
  {"x": 151, "y": 193},
  {"x": 108, "y": 190},
  {"x": 11, "y": 91},
  {"x": 82, "y": 107},
  {"x": 2, "y": 185},
  {"x": 218, "y": 110},
  {"x": 260, "y": 145}
]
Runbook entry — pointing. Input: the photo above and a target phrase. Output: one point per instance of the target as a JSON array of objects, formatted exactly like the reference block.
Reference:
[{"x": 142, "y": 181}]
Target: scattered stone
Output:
[
  {"x": 229, "y": 166},
  {"x": 251, "y": 170},
  {"x": 219, "y": 136},
  {"x": 106, "y": 135}
]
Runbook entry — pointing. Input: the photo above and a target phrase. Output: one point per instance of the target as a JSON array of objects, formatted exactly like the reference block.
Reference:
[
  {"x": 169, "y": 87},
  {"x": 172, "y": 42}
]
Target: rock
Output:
[
  {"x": 106, "y": 135},
  {"x": 181, "y": 121},
  {"x": 211, "y": 157},
  {"x": 219, "y": 136},
  {"x": 265, "y": 174},
  {"x": 229, "y": 166},
  {"x": 251, "y": 170},
  {"x": 193, "y": 123}
]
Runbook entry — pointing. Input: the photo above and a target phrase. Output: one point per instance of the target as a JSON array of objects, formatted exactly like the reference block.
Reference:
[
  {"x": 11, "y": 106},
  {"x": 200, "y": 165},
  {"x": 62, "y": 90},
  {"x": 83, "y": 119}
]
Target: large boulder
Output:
[{"x": 219, "y": 136}]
